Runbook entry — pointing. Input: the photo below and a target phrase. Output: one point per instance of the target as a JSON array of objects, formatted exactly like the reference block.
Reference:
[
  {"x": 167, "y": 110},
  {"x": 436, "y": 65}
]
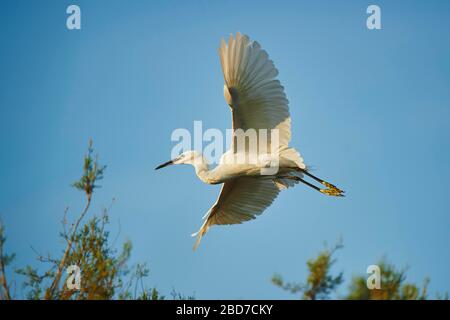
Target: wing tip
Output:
[{"x": 199, "y": 234}]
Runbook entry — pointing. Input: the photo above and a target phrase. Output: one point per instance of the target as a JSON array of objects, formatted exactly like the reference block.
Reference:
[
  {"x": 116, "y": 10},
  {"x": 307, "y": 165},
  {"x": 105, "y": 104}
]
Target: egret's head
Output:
[{"x": 188, "y": 157}]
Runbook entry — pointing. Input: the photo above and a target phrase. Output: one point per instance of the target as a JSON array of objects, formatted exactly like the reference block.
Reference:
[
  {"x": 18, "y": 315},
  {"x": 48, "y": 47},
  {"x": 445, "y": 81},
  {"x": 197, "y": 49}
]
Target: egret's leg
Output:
[
  {"x": 325, "y": 183},
  {"x": 331, "y": 191}
]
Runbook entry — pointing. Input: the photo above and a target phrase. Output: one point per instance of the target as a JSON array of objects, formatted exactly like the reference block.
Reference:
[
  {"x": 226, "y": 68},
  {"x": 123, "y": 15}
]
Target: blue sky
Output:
[{"x": 370, "y": 111}]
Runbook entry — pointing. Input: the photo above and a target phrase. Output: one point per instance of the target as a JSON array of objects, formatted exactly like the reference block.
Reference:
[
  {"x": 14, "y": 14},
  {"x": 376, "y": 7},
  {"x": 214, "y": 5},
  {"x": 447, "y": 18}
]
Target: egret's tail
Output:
[{"x": 291, "y": 156}]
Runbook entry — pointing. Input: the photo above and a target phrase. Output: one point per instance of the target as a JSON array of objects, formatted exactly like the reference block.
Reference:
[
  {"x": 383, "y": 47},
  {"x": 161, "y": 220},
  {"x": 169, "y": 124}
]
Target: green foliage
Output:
[
  {"x": 34, "y": 282},
  {"x": 178, "y": 296},
  {"x": 92, "y": 172},
  {"x": 5, "y": 260},
  {"x": 104, "y": 270},
  {"x": 320, "y": 283},
  {"x": 101, "y": 267},
  {"x": 105, "y": 273},
  {"x": 393, "y": 286}
]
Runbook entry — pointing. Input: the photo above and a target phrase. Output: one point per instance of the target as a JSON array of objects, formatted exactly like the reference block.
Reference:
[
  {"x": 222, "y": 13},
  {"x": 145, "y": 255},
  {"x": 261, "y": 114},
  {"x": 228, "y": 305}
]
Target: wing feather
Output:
[
  {"x": 256, "y": 97},
  {"x": 240, "y": 200}
]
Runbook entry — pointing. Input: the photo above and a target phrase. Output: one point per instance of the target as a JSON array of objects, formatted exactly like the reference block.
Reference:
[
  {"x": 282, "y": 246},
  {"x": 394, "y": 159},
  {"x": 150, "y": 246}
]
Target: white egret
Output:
[{"x": 258, "y": 102}]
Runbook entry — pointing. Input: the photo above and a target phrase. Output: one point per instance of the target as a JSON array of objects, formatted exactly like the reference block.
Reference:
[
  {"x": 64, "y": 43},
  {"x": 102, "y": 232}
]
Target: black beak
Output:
[{"x": 165, "y": 164}]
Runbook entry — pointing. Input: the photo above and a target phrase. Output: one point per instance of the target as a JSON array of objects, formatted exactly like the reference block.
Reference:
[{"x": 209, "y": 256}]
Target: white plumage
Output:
[
  {"x": 256, "y": 97},
  {"x": 258, "y": 102}
]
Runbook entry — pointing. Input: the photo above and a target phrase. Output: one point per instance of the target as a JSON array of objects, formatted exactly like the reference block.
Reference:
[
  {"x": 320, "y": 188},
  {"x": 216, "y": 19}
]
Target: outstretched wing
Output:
[
  {"x": 257, "y": 101},
  {"x": 240, "y": 200},
  {"x": 256, "y": 97}
]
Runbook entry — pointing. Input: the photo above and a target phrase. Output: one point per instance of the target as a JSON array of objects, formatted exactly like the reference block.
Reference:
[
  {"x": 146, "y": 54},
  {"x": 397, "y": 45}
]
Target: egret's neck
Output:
[{"x": 202, "y": 168}]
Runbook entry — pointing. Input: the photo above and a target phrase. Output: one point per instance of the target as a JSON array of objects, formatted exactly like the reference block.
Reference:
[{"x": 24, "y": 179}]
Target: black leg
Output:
[{"x": 325, "y": 183}]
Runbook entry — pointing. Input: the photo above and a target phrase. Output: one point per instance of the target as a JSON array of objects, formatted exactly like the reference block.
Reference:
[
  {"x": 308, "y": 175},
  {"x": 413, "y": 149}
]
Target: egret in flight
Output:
[{"x": 257, "y": 102}]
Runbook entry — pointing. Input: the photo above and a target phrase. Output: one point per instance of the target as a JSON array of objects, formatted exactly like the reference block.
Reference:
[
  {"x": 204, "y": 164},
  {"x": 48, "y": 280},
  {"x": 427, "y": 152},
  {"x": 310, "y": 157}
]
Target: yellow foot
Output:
[
  {"x": 329, "y": 185},
  {"x": 332, "y": 190}
]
